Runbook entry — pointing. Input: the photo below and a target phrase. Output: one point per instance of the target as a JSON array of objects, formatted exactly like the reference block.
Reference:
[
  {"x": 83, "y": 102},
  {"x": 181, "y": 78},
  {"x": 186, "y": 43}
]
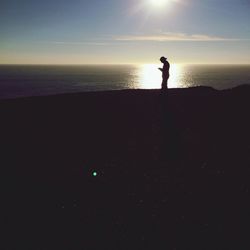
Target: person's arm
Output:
[{"x": 160, "y": 69}]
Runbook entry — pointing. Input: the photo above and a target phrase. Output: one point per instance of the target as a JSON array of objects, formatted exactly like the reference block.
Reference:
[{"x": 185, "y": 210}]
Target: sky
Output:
[{"x": 122, "y": 32}]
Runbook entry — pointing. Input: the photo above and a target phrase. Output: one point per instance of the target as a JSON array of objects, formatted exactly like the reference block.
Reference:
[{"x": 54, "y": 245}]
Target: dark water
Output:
[{"x": 27, "y": 80}]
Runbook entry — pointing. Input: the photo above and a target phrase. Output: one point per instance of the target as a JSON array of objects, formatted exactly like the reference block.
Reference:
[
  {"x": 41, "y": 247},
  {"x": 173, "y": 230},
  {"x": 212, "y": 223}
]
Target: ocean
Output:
[{"x": 38, "y": 80}]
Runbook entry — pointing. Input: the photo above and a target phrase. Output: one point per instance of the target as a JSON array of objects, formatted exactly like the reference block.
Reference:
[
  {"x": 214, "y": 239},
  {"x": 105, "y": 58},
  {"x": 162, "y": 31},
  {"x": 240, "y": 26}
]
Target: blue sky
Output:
[{"x": 118, "y": 31}]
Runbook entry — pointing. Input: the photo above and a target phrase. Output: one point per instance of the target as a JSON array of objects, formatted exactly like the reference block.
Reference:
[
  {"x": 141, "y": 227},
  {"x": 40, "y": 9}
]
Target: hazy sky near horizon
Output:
[{"x": 118, "y": 31}]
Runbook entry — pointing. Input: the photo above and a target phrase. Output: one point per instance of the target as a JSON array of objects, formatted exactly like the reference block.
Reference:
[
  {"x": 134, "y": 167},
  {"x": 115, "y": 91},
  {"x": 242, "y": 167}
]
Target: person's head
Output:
[{"x": 163, "y": 59}]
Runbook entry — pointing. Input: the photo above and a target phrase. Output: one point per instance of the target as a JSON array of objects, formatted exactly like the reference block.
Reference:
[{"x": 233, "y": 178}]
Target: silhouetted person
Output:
[{"x": 165, "y": 72}]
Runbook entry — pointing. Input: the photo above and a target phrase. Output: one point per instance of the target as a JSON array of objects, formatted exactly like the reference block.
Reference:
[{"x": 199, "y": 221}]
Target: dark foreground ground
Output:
[{"x": 172, "y": 171}]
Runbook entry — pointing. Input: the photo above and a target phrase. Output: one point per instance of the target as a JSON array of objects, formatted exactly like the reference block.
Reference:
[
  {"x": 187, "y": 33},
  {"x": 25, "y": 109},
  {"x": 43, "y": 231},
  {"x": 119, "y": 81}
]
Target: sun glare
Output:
[
  {"x": 158, "y": 3},
  {"x": 150, "y": 77}
]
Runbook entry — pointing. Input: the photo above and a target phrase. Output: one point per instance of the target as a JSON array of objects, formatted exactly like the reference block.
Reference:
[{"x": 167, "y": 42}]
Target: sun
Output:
[{"x": 159, "y": 3}]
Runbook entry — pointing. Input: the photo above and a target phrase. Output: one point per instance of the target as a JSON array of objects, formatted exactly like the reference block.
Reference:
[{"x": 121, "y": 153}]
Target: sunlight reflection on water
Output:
[
  {"x": 37, "y": 80},
  {"x": 149, "y": 76}
]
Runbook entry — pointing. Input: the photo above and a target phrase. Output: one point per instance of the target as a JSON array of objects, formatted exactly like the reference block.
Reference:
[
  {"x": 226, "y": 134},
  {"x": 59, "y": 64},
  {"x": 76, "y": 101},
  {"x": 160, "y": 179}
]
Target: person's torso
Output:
[{"x": 166, "y": 67}]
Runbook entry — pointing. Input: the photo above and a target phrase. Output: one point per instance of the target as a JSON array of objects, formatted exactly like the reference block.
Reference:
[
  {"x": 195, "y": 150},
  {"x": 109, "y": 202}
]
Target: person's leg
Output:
[{"x": 164, "y": 84}]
